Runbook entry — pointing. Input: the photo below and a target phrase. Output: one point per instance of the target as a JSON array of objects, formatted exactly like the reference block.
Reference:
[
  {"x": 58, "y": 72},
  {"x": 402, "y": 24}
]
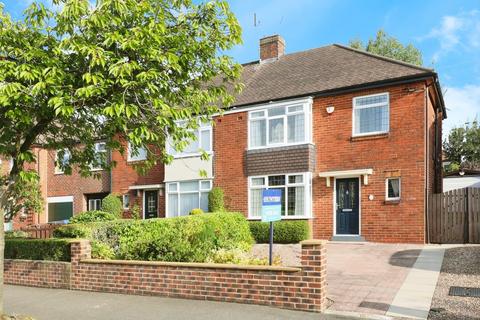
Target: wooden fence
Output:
[
  {"x": 41, "y": 231},
  {"x": 454, "y": 216}
]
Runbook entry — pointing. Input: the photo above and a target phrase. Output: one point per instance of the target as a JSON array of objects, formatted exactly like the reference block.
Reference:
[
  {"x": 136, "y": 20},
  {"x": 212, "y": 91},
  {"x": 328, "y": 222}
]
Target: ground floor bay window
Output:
[
  {"x": 183, "y": 196},
  {"x": 296, "y": 194}
]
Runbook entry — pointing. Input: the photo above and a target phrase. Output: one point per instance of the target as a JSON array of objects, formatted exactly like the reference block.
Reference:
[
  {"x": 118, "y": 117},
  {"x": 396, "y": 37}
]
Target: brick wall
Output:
[
  {"x": 299, "y": 288},
  {"x": 400, "y": 152},
  {"x": 45, "y": 274},
  {"x": 124, "y": 175}
]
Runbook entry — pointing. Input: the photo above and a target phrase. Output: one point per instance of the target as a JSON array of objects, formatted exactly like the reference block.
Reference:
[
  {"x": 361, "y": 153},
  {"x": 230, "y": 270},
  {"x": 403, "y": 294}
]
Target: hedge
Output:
[
  {"x": 92, "y": 216},
  {"x": 285, "y": 231},
  {"x": 184, "y": 239},
  {"x": 38, "y": 249},
  {"x": 113, "y": 205}
]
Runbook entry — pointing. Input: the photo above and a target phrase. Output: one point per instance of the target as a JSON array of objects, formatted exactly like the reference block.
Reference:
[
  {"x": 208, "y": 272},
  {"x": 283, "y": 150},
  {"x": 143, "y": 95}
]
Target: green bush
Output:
[
  {"x": 286, "y": 231},
  {"x": 38, "y": 249},
  {"x": 92, "y": 216},
  {"x": 216, "y": 200},
  {"x": 113, "y": 205},
  {"x": 196, "y": 211},
  {"x": 237, "y": 256},
  {"x": 185, "y": 239},
  {"x": 102, "y": 251},
  {"x": 14, "y": 234}
]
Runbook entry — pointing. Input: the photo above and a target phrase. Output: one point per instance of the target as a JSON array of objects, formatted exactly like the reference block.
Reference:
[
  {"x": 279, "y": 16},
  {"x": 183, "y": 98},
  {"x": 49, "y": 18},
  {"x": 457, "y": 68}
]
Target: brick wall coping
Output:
[
  {"x": 193, "y": 265},
  {"x": 39, "y": 261},
  {"x": 313, "y": 242}
]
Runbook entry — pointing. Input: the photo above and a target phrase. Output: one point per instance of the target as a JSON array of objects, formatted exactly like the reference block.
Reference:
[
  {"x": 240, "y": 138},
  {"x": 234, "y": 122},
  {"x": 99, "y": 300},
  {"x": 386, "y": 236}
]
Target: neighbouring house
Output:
[
  {"x": 352, "y": 139},
  {"x": 465, "y": 178}
]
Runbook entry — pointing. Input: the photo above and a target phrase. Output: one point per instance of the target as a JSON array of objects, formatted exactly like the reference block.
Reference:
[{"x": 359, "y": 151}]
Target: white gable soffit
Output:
[
  {"x": 146, "y": 186},
  {"x": 60, "y": 199},
  {"x": 305, "y": 100}
]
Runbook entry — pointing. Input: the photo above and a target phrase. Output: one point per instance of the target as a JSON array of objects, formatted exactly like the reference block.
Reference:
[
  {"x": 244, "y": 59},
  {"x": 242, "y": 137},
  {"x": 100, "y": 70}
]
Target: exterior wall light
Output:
[{"x": 330, "y": 109}]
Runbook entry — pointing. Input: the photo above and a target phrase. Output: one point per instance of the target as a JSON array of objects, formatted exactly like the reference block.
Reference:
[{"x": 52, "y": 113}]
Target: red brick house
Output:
[{"x": 352, "y": 139}]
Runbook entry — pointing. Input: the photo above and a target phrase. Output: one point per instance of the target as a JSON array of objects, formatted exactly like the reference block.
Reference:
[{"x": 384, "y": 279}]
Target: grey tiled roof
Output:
[{"x": 319, "y": 70}]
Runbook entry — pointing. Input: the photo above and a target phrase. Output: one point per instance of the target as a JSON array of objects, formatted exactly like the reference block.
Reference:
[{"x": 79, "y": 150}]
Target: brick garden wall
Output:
[
  {"x": 46, "y": 274},
  {"x": 302, "y": 288}
]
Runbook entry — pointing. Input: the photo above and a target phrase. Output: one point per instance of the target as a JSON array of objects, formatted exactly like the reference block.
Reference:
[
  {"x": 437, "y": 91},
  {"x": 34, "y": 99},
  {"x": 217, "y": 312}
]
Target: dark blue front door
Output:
[{"x": 347, "y": 206}]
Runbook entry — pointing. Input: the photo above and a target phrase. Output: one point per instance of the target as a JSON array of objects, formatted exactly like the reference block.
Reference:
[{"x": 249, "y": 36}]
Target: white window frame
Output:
[
  {"x": 95, "y": 200},
  {"x": 126, "y": 195},
  {"x": 178, "y": 193},
  {"x": 135, "y": 158},
  {"x": 98, "y": 150},
  {"x": 202, "y": 128},
  {"x": 58, "y": 170},
  {"x": 306, "y": 111},
  {"x": 307, "y": 184},
  {"x": 355, "y": 107},
  {"x": 387, "y": 198},
  {"x": 61, "y": 199}
]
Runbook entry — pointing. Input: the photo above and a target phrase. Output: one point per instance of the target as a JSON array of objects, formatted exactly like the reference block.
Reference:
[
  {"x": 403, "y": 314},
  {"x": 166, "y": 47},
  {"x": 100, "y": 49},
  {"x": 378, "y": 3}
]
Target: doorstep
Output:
[{"x": 341, "y": 238}]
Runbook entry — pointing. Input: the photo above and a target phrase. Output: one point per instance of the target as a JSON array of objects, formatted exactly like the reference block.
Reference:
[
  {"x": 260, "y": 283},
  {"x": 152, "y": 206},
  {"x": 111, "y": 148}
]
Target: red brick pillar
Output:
[
  {"x": 79, "y": 250},
  {"x": 314, "y": 272}
]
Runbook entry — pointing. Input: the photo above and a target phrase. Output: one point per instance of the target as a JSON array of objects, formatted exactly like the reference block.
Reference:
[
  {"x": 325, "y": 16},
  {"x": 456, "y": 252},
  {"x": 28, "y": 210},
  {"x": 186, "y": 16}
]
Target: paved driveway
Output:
[{"x": 365, "y": 277}]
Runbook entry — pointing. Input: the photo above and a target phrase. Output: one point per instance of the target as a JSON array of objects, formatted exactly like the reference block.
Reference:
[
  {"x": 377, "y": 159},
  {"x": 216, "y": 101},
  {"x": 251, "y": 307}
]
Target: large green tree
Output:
[
  {"x": 106, "y": 69},
  {"x": 390, "y": 47},
  {"x": 462, "y": 147}
]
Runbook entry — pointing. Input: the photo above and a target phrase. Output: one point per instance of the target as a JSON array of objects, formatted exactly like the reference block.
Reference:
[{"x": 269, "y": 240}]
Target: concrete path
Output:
[
  {"x": 414, "y": 298},
  {"x": 55, "y": 304}
]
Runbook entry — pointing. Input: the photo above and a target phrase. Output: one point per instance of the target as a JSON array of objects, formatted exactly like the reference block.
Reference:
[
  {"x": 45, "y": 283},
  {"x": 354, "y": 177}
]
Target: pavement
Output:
[{"x": 56, "y": 304}]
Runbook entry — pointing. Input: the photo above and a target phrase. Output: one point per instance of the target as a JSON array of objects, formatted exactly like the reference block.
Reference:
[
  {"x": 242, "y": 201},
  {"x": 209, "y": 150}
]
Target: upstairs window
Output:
[
  {"x": 371, "y": 114},
  {"x": 100, "y": 155},
  {"x": 62, "y": 159},
  {"x": 203, "y": 141},
  {"x": 277, "y": 126},
  {"x": 136, "y": 154}
]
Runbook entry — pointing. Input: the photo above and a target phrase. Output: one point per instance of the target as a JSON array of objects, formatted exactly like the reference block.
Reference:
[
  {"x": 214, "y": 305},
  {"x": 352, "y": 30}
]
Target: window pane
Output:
[
  {"x": 126, "y": 201},
  {"x": 188, "y": 201},
  {"x": 295, "y": 179},
  {"x": 296, "y": 128},
  {"x": 60, "y": 211},
  {"x": 296, "y": 201},
  {"x": 172, "y": 187},
  {"x": 257, "y": 114},
  {"x": 189, "y": 186},
  {"x": 373, "y": 119},
  {"x": 371, "y": 100},
  {"x": 258, "y": 181},
  {"x": 278, "y": 111},
  {"x": 205, "y": 140},
  {"x": 172, "y": 205},
  {"x": 193, "y": 145},
  {"x": 275, "y": 127},
  {"x": 256, "y": 202},
  {"x": 276, "y": 180},
  {"x": 295, "y": 108},
  {"x": 100, "y": 146},
  {"x": 283, "y": 199},
  {"x": 204, "y": 201},
  {"x": 138, "y": 154},
  {"x": 205, "y": 185},
  {"x": 258, "y": 133},
  {"x": 394, "y": 188}
]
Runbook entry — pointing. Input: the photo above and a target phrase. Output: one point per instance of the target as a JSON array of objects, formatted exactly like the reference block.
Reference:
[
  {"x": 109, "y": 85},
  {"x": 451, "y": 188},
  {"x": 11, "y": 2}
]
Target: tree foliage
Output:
[
  {"x": 462, "y": 147},
  {"x": 390, "y": 47}
]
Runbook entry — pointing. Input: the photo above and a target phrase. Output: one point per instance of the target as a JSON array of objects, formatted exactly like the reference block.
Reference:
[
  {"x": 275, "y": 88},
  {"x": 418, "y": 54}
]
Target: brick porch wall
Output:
[{"x": 302, "y": 288}]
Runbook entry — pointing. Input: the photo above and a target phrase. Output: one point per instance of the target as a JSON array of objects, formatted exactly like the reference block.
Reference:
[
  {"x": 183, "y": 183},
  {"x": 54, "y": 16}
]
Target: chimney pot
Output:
[{"x": 272, "y": 47}]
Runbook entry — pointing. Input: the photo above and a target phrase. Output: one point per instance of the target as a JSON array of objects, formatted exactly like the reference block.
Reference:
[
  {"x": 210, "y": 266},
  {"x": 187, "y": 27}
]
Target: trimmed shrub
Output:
[
  {"x": 184, "y": 239},
  {"x": 196, "y": 211},
  {"x": 286, "y": 231},
  {"x": 113, "y": 205},
  {"x": 216, "y": 200},
  {"x": 102, "y": 251},
  {"x": 15, "y": 234},
  {"x": 38, "y": 249},
  {"x": 92, "y": 216}
]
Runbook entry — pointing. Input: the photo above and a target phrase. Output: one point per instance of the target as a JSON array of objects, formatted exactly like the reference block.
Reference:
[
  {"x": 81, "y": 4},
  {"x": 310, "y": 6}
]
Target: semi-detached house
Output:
[{"x": 352, "y": 139}]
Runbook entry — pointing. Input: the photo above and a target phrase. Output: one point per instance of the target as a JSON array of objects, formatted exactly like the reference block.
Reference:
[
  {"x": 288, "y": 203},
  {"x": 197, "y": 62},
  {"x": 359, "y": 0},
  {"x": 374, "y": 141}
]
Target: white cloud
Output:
[
  {"x": 456, "y": 32},
  {"x": 463, "y": 105}
]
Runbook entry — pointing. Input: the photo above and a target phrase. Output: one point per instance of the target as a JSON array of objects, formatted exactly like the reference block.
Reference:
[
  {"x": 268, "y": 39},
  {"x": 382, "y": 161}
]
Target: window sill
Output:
[
  {"x": 192, "y": 155},
  {"x": 58, "y": 173},
  {"x": 283, "y": 218},
  {"x": 277, "y": 146},
  {"x": 370, "y": 137},
  {"x": 392, "y": 202}
]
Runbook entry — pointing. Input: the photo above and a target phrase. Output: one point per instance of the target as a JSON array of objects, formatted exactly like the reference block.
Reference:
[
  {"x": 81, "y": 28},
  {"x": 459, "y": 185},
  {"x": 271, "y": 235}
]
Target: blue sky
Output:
[{"x": 447, "y": 33}]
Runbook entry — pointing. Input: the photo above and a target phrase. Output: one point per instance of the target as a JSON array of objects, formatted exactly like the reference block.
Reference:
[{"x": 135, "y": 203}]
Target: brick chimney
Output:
[{"x": 271, "y": 47}]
